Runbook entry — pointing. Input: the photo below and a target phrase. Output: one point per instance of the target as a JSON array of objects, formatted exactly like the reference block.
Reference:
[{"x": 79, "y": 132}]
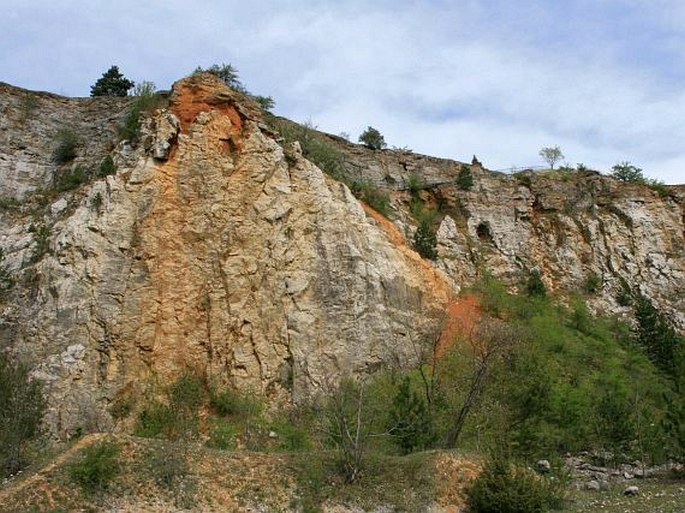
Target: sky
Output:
[{"x": 500, "y": 79}]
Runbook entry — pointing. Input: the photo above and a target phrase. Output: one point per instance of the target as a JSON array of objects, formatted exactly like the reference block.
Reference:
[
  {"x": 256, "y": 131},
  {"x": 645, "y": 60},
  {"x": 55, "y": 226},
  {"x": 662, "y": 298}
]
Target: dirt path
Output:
[{"x": 16, "y": 487}]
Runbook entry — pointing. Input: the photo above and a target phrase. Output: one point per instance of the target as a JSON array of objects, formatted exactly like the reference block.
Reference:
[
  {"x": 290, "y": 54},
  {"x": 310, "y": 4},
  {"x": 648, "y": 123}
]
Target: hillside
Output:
[{"x": 223, "y": 241}]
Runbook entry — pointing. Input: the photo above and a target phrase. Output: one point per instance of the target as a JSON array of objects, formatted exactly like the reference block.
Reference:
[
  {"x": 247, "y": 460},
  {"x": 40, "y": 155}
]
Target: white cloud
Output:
[{"x": 493, "y": 77}]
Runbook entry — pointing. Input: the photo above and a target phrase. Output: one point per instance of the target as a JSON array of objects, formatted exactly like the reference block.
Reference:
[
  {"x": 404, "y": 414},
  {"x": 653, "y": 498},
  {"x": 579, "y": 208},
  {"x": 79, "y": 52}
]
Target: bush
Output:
[
  {"x": 373, "y": 196},
  {"x": 465, "y": 178},
  {"x": 425, "y": 240},
  {"x": 107, "y": 167},
  {"x": 592, "y": 284},
  {"x": 223, "y": 436},
  {"x": 504, "y": 488},
  {"x": 535, "y": 286},
  {"x": 372, "y": 139},
  {"x": 157, "y": 419},
  {"x": 67, "y": 143},
  {"x": 112, "y": 83},
  {"x": 72, "y": 179},
  {"x": 627, "y": 172},
  {"x": 315, "y": 147},
  {"x": 146, "y": 100},
  {"x": 98, "y": 466},
  {"x": 410, "y": 422},
  {"x": 22, "y": 405}
]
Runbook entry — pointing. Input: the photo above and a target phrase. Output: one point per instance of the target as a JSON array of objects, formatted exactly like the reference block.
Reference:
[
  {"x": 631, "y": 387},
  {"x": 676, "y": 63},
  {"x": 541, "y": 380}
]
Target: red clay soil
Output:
[{"x": 463, "y": 314}]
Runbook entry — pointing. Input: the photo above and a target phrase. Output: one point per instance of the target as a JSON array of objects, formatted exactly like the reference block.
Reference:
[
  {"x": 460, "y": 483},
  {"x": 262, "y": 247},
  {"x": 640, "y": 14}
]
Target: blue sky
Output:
[{"x": 603, "y": 79}]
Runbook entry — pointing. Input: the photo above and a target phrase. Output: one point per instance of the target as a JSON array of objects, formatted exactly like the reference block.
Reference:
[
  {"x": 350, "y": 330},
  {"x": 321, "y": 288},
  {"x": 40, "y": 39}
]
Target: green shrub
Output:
[
  {"x": 97, "y": 468},
  {"x": 107, "y": 167},
  {"x": 372, "y": 195},
  {"x": 67, "y": 142},
  {"x": 156, "y": 420},
  {"x": 627, "y": 172},
  {"x": 425, "y": 240},
  {"x": 592, "y": 284},
  {"x": 372, "y": 139},
  {"x": 415, "y": 184},
  {"x": 505, "y": 488},
  {"x": 535, "y": 286},
  {"x": 22, "y": 405},
  {"x": 409, "y": 422},
  {"x": 465, "y": 178},
  {"x": 72, "y": 179},
  {"x": 146, "y": 99}
]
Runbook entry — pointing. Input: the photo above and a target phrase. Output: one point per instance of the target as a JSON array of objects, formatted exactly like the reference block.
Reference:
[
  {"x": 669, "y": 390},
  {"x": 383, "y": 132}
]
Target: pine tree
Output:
[
  {"x": 409, "y": 421},
  {"x": 112, "y": 83}
]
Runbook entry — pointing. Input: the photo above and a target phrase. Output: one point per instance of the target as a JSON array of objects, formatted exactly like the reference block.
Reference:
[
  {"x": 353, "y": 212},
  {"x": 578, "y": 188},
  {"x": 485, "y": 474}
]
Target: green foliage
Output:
[
  {"x": 503, "y": 487},
  {"x": 535, "y": 286},
  {"x": 551, "y": 155},
  {"x": 624, "y": 296},
  {"x": 425, "y": 240},
  {"x": 178, "y": 417},
  {"x": 465, "y": 178},
  {"x": 112, "y": 83},
  {"x": 22, "y": 405},
  {"x": 223, "y": 435},
  {"x": 72, "y": 178},
  {"x": 41, "y": 234},
  {"x": 593, "y": 282},
  {"x": 314, "y": 145},
  {"x": 627, "y": 172},
  {"x": 226, "y": 72},
  {"x": 67, "y": 142},
  {"x": 574, "y": 383},
  {"x": 674, "y": 421},
  {"x": 409, "y": 422},
  {"x": 6, "y": 279},
  {"x": 372, "y": 139},
  {"x": 146, "y": 99},
  {"x": 233, "y": 402},
  {"x": 98, "y": 466},
  {"x": 372, "y": 195},
  {"x": 155, "y": 420},
  {"x": 657, "y": 336},
  {"x": 267, "y": 103},
  {"x": 96, "y": 201},
  {"x": 415, "y": 184},
  {"x": 107, "y": 167}
]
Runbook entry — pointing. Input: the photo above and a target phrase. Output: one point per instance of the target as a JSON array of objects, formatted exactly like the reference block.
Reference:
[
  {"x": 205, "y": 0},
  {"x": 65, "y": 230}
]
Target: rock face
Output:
[
  {"x": 214, "y": 248},
  {"x": 575, "y": 227},
  {"x": 209, "y": 250}
]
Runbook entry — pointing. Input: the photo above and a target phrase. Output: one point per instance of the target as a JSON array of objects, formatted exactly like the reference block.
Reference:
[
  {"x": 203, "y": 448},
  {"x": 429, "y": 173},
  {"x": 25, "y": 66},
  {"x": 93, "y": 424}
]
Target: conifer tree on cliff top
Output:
[{"x": 112, "y": 83}]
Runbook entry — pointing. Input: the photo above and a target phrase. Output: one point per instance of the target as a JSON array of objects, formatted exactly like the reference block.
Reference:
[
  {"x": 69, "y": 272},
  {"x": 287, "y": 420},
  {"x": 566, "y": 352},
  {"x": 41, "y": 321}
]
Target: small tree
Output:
[
  {"x": 465, "y": 178},
  {"x": 410, "y": 422},
  {"x": 22, "y": 405},
  {"x": 627, "y": 172},
  {"x": 551, "y": 155},
  {"x": 535, "y": 286},
  {"x": 425, "y": 240},
  {"x": 112, "y": 83},
  {"x": 372, "y": 138}
]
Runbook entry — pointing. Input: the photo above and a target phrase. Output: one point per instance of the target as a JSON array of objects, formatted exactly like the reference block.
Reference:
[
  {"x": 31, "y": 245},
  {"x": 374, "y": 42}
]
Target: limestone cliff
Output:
[
  {"x": 209, "y": 250},
  {"x": 217, "y": 247}
]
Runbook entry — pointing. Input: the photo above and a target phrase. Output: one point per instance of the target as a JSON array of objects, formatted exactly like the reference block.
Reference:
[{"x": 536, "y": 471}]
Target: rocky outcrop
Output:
[
  {"x": 573, "y": 226},
  {"x": 210, "y": 250},
  {"x": 215, "y": 248}
]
